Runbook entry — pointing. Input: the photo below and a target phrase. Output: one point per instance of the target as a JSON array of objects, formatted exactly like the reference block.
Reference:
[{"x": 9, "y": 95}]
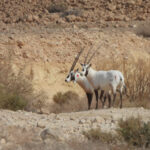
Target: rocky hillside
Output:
[
  {"x": 27, "y": 130},
  {"x": 44, "y": 56},
  {"x": 72, "y": 11}
]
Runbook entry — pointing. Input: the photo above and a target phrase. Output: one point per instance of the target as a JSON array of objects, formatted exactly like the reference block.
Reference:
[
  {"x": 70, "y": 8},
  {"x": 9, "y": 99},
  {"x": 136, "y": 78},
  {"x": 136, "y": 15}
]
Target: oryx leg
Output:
[
  {"x": 120, "y": 91},
  {"x": 109, "y": 100},
  {"x": 96, "y": 94},
  {"x": 89, "y": 97},
  {"x": 120, "y": 99},
  {"x": 114, "y": 94},
  {"x": 104, "y": 101},
  {"x": 101, "y": 96}
]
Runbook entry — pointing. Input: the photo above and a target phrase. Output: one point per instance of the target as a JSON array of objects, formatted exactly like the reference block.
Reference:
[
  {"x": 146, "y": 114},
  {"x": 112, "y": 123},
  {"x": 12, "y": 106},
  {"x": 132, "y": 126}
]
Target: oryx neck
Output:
[{"x": 91, "y": 70}]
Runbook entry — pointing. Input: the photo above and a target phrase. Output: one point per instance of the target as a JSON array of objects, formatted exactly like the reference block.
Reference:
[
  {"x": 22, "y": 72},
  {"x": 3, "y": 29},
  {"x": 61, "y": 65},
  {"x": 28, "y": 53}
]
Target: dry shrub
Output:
[
  {"x": 13, "y": 89},
  {"x": 132, "y": 131},
  {"x": 67, "y": 102},
  {"x": 76, "y": 12},
  {"x": 98, "y": 135},
  {"x": 135, "y": 132},
  {"x": 57, "y": 7},
  {"x": 137, "y": 77},
  {"x": 143, "y": 30},
  {"x": 16, "y": 91},
  {"x": 61, "y": 98}
]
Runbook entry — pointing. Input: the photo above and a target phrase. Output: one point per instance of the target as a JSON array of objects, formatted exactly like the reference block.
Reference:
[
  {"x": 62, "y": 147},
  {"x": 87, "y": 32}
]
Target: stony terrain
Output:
[
  {"x": 37, "y": 129},
  {"x": 65, "y": 12}
]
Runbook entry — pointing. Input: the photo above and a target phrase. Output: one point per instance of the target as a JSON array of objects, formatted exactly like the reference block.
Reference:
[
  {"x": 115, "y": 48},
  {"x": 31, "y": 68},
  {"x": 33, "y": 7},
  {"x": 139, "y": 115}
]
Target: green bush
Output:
[
  {"x": 98, "y": 135},
  {"x": 12, "y": 101},
  {"x": 135, "y": 132}
]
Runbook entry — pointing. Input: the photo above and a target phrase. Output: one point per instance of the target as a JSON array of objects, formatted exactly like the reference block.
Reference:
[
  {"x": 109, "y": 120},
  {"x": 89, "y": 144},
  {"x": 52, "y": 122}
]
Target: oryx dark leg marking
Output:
[
  {"x": 114, "y": 98},
  {"x": 89, "y": 97},
  {"x": 120, "y": 99},
  {"x": 109, "y": 100},
  {"x": 96, "y": 94},
  {"x": 101, "y": 96},
  {"x": 104, "y": 101}
]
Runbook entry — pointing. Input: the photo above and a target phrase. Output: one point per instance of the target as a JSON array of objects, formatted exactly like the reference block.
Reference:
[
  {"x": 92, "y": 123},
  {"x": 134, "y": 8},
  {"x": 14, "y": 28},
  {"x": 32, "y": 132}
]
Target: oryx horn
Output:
[
  {"x": 76, "y": 59},
  {"x": 93, "y": 55},
  {"x": 87, "y": 54}
]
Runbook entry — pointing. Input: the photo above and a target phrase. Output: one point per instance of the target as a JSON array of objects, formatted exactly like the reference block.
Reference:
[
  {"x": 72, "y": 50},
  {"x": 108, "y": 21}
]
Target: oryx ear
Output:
[{"x": 77, "y": 70}]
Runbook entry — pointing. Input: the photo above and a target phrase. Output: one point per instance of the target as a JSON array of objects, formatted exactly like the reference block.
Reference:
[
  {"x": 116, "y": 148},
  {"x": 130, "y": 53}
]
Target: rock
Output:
[
  {"x": 54, "y": 17},
  {"x": 119, "y": 17},
  {"x": 29, "y": 18},
  {"x": 35, "y": 18},
  {"x": 97, "y": 120},
  {"x": 82, "y": 121},
  {"x": 72, "y": 18},
  {"x": 52, "y": 134},
  {"x": 111, "y": 7},
  {"x": 41, "y": 124},
  {"x": 3, "y": 141}
]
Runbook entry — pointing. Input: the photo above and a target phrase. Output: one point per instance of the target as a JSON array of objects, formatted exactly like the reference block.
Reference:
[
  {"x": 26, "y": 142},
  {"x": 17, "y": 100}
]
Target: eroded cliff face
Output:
[{"x": 45, "y": 57}]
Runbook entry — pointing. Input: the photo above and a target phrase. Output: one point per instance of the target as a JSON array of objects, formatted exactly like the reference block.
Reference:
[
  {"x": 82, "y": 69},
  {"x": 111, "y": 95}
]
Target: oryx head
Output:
[
  {"x": 86, "y": 65},
  {"x": 71, "y": 75}
]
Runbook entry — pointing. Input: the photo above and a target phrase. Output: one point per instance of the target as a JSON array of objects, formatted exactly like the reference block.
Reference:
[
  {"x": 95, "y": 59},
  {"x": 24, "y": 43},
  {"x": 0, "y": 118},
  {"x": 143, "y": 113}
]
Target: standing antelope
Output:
[
  {"x": 104, "y": 80},
  {"x": 83, "y": 82}
]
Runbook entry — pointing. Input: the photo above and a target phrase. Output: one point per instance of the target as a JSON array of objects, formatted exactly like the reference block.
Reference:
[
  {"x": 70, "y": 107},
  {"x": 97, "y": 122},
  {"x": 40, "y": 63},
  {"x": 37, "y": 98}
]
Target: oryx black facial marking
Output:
[
  {"x": 86, "y": 73},
  {"x": 72, "y": 77}
]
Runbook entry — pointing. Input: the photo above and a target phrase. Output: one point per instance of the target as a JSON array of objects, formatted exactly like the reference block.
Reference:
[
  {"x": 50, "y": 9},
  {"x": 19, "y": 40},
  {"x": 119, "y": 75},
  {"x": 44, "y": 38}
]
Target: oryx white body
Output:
[{"x": 105, "y": 80}]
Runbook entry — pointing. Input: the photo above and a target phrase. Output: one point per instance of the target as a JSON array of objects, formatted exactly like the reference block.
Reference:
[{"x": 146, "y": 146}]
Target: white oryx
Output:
[
  {"x": 108, "y": 81},
  {"x": 83, "y": 82}
]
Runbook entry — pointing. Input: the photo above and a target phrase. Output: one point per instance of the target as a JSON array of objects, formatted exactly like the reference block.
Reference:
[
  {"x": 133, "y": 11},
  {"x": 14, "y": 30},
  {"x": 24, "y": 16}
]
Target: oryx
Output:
[
  {"x": 83, "y": 82},
  {"x": 107, "y": 81}
]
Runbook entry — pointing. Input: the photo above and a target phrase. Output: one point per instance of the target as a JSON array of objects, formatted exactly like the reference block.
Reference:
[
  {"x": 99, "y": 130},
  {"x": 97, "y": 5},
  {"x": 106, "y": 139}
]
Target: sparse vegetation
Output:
[
  {"x": 98, "y": 135},
  {"x": 16, "y": 92},
  {"x": 135, "y": 132},
  {"x": 143, "y": 30},
  {"x": 58, "y": 7},
  {"x": 61, "y": 98},
  {"x": 76, "y": 12},
  {"x": 12, "y": 101},
  {"x": 68, "y": 102}
]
